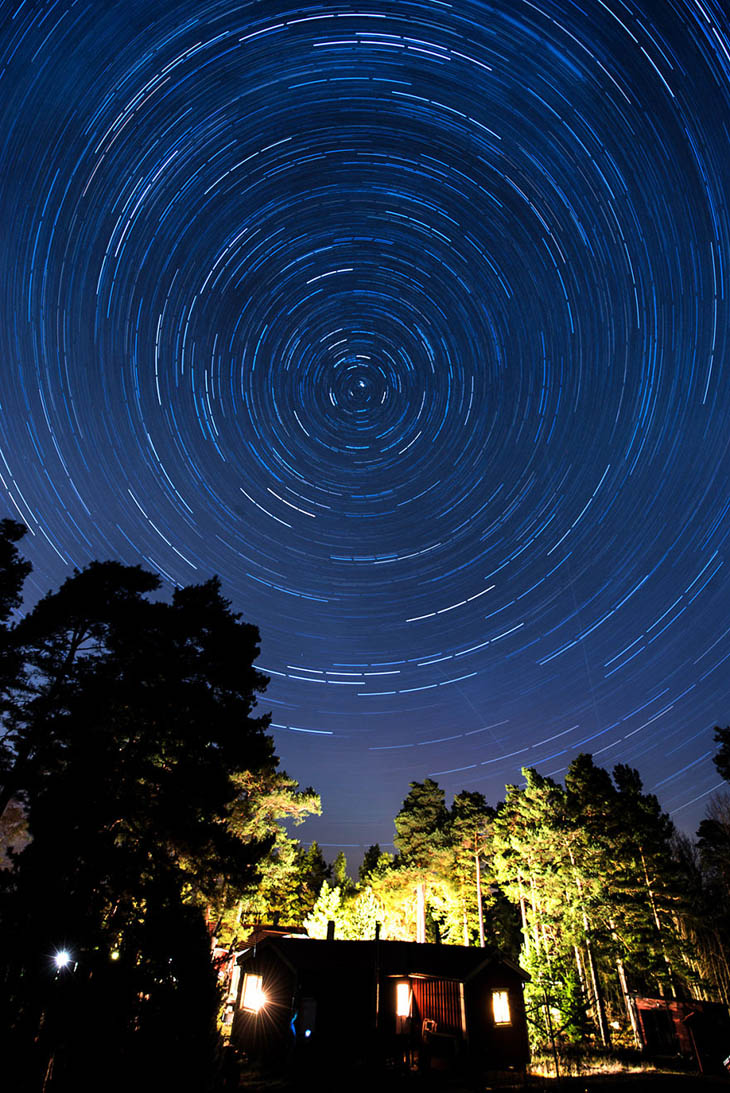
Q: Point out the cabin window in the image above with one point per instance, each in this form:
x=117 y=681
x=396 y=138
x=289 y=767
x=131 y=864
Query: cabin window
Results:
x=500 y=1008
x=253 y=995
x=402 y=1000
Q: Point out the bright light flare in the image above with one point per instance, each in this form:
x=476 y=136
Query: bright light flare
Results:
x=62 y=959
x=254 y=998
x=403 y=1000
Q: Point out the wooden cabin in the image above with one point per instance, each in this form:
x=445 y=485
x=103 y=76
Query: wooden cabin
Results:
x=390 y=1002
x=698 y=1031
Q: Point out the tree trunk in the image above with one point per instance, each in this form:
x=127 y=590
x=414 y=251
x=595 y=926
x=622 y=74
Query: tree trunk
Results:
x=464 y=918
x=628 y=1001
x=600 y=1010
x=535 y=918
x=523 y=913
x=421 y=913
x=479 y=901
x=655 y=912
x=581 y=972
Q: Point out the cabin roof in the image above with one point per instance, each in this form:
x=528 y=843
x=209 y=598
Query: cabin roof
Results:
x=394 y=958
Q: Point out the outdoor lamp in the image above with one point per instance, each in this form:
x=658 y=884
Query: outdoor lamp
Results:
x=253 y=996
x=62 y=959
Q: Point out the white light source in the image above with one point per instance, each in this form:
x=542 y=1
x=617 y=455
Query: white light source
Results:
x=402 y=1000
x=62 y=958
x=500 y=1008
x=253 y=995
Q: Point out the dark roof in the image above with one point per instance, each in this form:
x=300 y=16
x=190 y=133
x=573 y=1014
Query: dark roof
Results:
x=260 y=930
x=393 y=957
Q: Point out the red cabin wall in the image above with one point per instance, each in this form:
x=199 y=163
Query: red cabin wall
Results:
x=439 y=1001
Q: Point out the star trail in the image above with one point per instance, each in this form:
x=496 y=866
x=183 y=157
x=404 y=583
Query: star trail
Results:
x=410 y=321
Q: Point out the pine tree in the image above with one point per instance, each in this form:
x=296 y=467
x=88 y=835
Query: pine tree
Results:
x=469 y=840
x=136 y=714
x=533 y=868
x=265 y=799
x=370 y=862
x=340 y=876
x=13 y=572
x=421 y=842
x=722 y=758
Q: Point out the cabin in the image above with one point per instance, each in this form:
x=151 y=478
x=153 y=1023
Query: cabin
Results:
x=395 y=1003
x=696 y=1030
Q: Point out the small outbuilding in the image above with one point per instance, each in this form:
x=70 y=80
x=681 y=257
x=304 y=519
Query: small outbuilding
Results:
x=698 y=1031
x=390 y=1002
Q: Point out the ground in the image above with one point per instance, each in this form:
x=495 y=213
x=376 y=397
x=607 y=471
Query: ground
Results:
x=655 y=1082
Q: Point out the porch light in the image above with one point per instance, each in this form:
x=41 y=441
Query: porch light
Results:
x=253 y=995
x=500 y=1008
x=62 y=959
x=403 y=1000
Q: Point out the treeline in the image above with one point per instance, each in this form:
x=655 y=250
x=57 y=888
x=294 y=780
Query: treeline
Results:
x=588 y=884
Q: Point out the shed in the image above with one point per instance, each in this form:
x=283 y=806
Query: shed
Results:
x=698 y=1031
x=421 y=1005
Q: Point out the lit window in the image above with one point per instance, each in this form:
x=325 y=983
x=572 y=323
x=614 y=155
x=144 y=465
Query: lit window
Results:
x=500 y=1008
x=253 y=996
x=402 y=1000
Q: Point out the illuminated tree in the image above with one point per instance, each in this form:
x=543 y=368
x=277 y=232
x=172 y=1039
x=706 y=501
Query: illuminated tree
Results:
x=592 y=869
x=469 y=839
x=420 y=825
x=327 y=908
x=265 y=798
x=363 y=914
x=421 y=842
x=340 y=876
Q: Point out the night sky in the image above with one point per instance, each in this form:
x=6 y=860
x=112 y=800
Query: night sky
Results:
x=410 y=321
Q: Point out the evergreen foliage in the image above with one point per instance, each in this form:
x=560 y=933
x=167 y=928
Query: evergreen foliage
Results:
x=283 y=891
x=125 y=724
x=420 y=824
x=722 y=758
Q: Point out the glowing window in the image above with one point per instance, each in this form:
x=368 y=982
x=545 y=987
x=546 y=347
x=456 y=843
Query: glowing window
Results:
x=253 y=995
x=402 y=1000
x=500 y=1008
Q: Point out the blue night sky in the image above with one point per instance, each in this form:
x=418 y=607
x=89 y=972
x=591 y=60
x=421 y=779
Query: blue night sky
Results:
x=410 y=321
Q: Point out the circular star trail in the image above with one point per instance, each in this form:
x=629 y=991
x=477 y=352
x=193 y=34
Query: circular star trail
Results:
x=409 y=321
